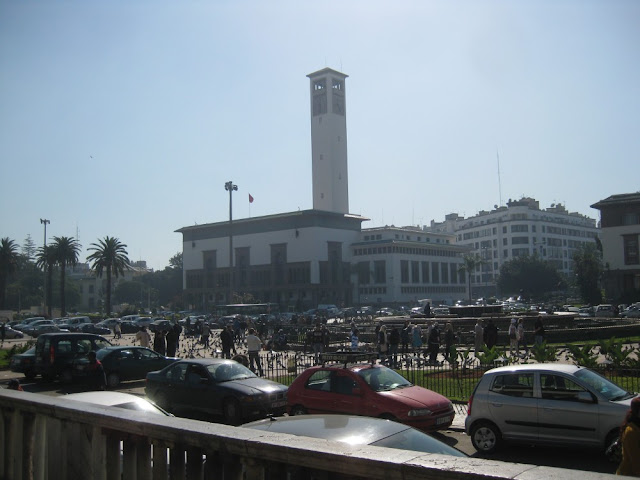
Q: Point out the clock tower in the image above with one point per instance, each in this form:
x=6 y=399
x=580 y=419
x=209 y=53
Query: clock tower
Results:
x=329 y=141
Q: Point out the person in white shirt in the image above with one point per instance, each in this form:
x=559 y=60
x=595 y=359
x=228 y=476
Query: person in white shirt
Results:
x=144 y=337
x=254 y=345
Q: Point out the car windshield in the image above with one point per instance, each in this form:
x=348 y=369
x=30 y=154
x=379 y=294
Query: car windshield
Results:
x=415 y=440
x=608 y=389
x=224 y=372
x=382 y=379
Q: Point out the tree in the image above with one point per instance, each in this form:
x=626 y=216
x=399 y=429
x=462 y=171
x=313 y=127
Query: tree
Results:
x=587 y=266
x=469 y=264
x=531 y=275
x=111 y=256
x=29 y=248
x=46 y=260
x=8 y=265
x=66 y=251
x=176 y=261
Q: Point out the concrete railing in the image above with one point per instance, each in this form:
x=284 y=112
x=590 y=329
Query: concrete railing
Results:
x=47 y=438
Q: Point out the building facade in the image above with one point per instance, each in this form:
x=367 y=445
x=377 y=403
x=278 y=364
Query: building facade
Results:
x=519 y=228
x=620 y=234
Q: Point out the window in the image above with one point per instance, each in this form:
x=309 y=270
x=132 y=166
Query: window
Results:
x=319 y=381
x=514 y=384
x=556 y=387
x=630 y=249
x=435 y=272
x=404 y=271
x=519 y=228
x=630 y=219
x=380 y=271
x=519 y=240
x=425 y=272
x=415 y=272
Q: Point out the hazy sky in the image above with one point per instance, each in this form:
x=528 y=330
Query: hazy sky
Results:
x=126 y=118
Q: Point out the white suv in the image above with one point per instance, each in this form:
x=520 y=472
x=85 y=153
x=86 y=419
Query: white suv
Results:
x=546 y=403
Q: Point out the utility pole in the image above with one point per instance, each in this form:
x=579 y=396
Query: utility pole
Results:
x=45 y=222
x=230 y=187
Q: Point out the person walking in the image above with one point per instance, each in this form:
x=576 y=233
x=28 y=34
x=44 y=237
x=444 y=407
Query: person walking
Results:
x=539 y=332
x=383 y=345
x=394 y=341
x=159 y=342
x=254 y=345
x=630 y=438
x=449 y=339
x=354 y=340
x=226 y=338
x=522 y=341
x=317 y=342
x=171 y=342
x=491 y=334
x=434 y=343
x=479 y=337
x=144 y=337
x=513 y=337
x=416 y=338
x=117 y=330
x=405 y=335
x=3 y=332
x=206 y=330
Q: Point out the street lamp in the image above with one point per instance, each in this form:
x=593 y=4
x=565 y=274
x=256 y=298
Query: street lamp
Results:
x=230 y=187
x=45 y=222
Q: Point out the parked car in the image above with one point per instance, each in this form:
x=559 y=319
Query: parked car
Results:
x=371 y=390
x=41 y=326
x=633 y=311
x=92 y=328
x=128 y=326
x=109 y=323
x=10 y=333
x=56 y=352
x=143 y=321
x=73 y=323
x=26 y=322
x=604 y=310
x=550 y=404
x=118 y=400
x=203 y=387
x=24 y=363
x=160 y=325
x=124 y=363
x=356 y=430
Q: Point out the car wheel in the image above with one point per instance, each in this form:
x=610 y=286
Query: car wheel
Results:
x=66 y=376
x=485 y=437
x=232 y=411
x=30 y=374
x=113 y=380
x=298 y=410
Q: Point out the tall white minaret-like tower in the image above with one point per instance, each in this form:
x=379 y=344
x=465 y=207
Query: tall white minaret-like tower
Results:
x=329 y=141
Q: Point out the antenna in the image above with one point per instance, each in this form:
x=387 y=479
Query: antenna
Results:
x=499 y=182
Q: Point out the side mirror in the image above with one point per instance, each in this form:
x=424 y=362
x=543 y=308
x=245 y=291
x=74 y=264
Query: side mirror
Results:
x=586 y=397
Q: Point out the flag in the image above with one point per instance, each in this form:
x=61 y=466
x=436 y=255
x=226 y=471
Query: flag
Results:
x=250 y=199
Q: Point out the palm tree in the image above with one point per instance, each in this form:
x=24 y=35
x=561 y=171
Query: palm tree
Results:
x=66 y=254
x=110 y=255
x=469 y=264
x=46 y=259
x=8 y=265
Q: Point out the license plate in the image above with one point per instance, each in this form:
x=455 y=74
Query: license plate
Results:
x=281 y=403
x=442 y=420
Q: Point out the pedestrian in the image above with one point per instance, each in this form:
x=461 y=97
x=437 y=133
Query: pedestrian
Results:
x=171 y=342
x=178 y=331
x=144 y=337
x=449 y=339
x=522 y=341
x=96 y=378
x=354 y=340
x=159 y=342
x=2 y=330
x=416 y=338
x=394 y=341
x=513 y=337
x=117 y=330
x=427 y=309
x=226 y=338
x=478 y=337
x=491 y=334
x=317 y=342
x=538 y=333
x=405 y=335
x=383 y=345
x=434 y=343
x=204 y=338
x=254 y=345
x=630 y=438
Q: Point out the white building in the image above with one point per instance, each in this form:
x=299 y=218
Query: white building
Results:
x=620 y=234
x=519 y=228
x=319 y=256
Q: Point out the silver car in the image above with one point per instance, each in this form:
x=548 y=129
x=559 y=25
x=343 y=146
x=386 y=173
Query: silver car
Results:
x=547 y=403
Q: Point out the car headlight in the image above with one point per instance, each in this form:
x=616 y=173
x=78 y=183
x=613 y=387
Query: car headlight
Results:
x=420 y=412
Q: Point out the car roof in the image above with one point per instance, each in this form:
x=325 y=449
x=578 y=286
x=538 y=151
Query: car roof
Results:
x=202 y=361
x=536 y=367
x=351 y=429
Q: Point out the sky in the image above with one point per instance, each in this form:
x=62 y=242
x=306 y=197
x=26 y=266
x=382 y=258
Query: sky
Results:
x=126 y=118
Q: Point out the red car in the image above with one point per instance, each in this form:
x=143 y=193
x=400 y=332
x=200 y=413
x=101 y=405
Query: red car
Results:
x=371 y=390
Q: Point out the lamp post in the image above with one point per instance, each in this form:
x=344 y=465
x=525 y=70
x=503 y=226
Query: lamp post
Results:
x=45 y=222
x=230 y=187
